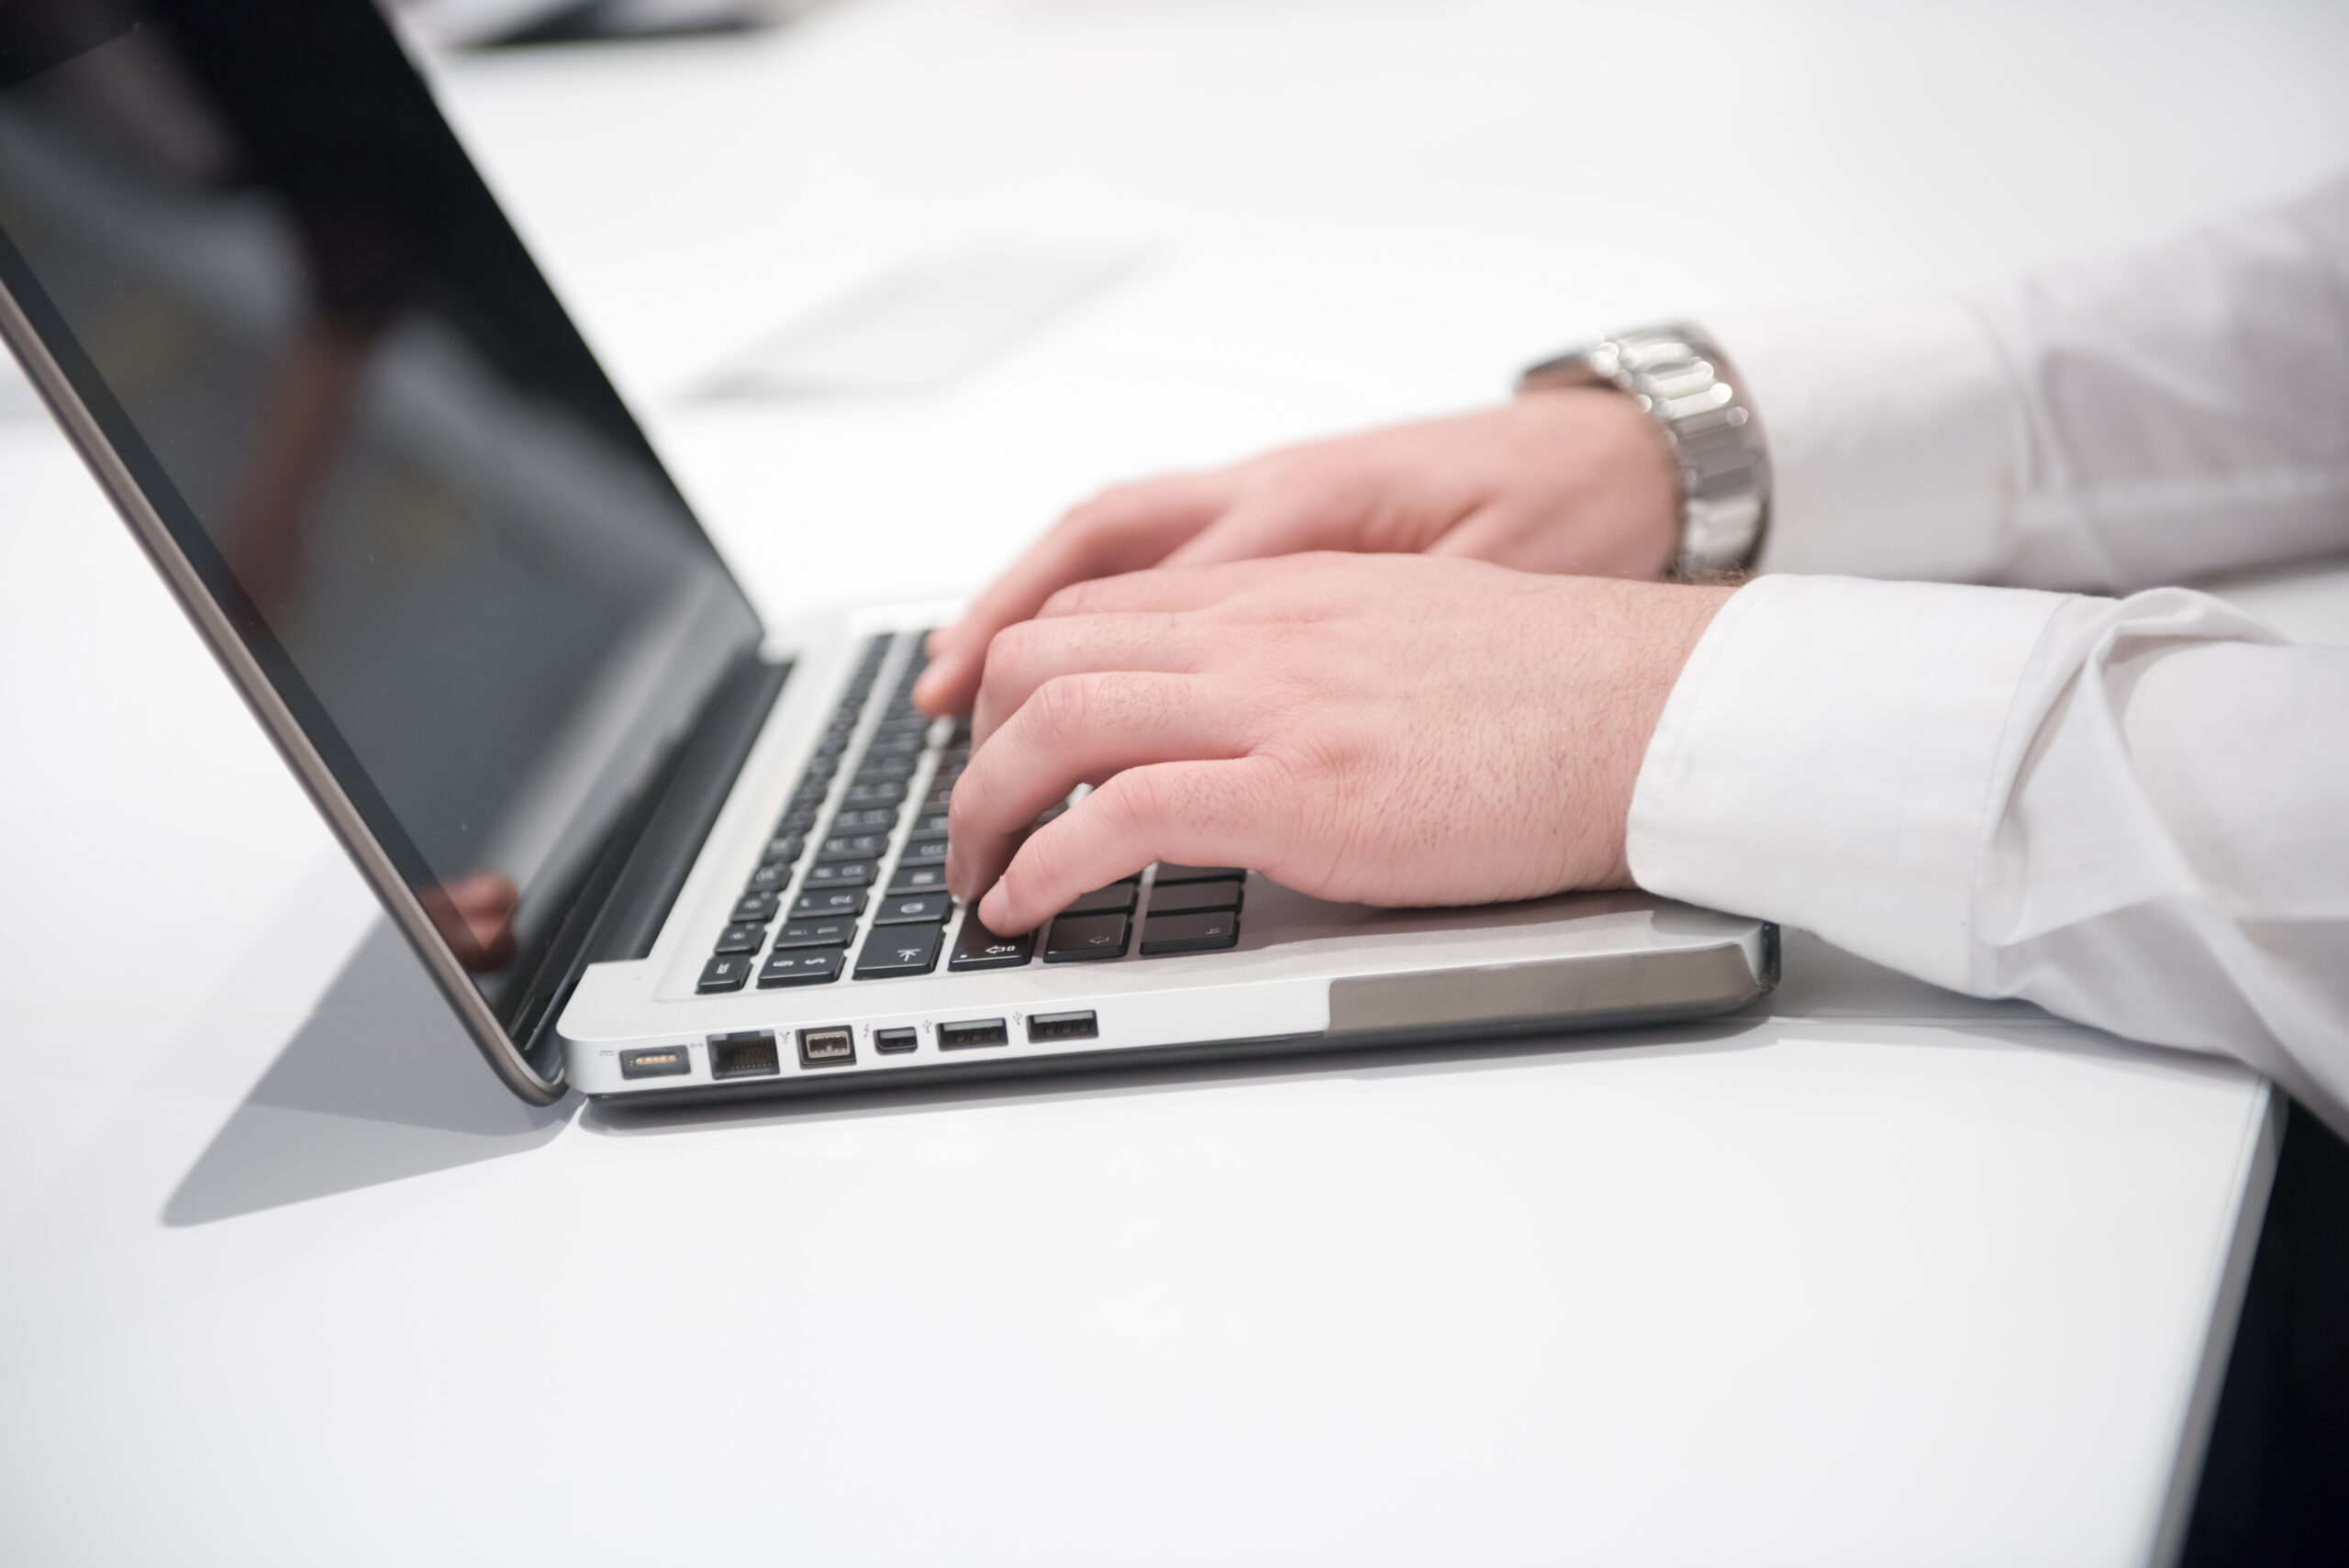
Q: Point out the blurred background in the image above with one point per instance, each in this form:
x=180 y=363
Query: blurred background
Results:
x=969 y=259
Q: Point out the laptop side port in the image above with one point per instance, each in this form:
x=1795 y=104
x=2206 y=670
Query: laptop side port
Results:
x=895 y=1042
x=751 y=1054
x=656 y=1061
x=971 y=1033
x=826 y=1047
x=1044 y=1026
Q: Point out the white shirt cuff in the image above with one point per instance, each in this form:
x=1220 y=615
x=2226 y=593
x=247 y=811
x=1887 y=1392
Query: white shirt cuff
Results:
x=1892 y=429
x=1829 y=758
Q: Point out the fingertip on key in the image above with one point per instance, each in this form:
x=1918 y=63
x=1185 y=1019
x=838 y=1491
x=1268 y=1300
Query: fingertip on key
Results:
x=935 y=681
x=995 y=912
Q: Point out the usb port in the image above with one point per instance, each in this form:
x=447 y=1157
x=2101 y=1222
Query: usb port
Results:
x=1042 y=1027
x=894 y=1042
x=974 y=1031
x=751 y=1054
x=659 y=1062
x=827 y=1048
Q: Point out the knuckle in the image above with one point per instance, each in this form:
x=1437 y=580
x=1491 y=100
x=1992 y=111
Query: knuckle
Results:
x=1062 y=707
x=1136 y=800
x=1068 y=600
x=1009 y=651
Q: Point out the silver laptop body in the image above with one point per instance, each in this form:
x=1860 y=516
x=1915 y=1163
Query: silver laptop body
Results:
x=646 y=847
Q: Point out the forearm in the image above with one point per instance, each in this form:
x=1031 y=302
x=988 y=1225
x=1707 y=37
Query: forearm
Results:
x=2157 y=417
x=2127 y=812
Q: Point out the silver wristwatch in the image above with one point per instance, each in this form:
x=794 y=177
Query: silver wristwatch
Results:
x=1681 y=377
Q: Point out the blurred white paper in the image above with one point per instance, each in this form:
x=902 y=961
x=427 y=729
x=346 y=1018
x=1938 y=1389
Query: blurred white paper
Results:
x=918 y=329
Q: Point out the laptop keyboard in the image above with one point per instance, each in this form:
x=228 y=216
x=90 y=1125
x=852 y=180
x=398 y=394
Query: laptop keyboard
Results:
x=856 y=865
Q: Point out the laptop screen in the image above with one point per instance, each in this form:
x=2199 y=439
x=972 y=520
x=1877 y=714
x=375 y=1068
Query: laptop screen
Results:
x=246 y=236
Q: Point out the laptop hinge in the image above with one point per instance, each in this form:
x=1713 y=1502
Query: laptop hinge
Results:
x=627 y=895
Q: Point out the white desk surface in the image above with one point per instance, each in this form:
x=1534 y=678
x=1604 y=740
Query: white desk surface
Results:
x=1882 y=1277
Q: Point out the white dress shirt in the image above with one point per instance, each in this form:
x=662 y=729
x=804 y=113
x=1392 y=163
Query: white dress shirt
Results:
x=2131 y=811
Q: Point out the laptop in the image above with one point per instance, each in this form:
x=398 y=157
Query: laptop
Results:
x=648 y=847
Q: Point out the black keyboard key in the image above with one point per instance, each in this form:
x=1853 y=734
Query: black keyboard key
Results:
x=784 y=846
x=837 y=932
x=802 y=966
x=843 y=874
x=918 y=879
x=1193 y=897
x=918 y=910
x=895 y=741
x=875 y=819
x=853 y=847
x=726 y=972
x=1075 y=939
x=886 y=770
x=753 y=909
x=976 y=947
x=937 y=801
x=1165 y=934
x=867 y=794
x=742 y=939
x=772 y=877
x=1169 y=875
x=894 y=950
x=930 y=825
x=821 y=769
x=846 y=902
x=923 y=852
x=796 y=821
x=1117 y=898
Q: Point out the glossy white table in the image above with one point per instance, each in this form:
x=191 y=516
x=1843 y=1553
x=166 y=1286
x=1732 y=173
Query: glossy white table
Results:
x=1881 y=1277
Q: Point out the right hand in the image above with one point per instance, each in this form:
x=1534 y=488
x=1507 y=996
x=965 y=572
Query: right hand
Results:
x=1574 y=481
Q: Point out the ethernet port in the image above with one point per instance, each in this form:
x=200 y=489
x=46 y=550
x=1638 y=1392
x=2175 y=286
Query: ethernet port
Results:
x=750 y=1055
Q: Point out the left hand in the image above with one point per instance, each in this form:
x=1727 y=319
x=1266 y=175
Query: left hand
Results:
x=1377 y=728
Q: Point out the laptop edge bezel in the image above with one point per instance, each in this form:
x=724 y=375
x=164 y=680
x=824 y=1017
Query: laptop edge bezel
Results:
x=82 y=429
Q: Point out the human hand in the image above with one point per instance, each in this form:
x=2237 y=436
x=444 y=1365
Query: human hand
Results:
x=1383 y=729
x=475 y=916
x=1574 y=480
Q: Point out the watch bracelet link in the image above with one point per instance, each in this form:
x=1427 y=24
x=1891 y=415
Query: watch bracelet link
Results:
x=1684 y=380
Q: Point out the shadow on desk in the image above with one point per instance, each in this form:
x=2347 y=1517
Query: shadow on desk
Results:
x=379 y=1084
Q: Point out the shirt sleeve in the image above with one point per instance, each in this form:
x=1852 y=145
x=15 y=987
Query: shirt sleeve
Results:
x=2134 y=813
x=2153 y=416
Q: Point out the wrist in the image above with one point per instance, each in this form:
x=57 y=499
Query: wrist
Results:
x=1680 y=379
x=1615 y=501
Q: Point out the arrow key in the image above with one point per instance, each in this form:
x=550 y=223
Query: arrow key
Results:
x=894 y=952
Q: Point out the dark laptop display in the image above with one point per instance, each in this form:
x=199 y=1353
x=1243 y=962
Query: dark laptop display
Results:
x=270 y=273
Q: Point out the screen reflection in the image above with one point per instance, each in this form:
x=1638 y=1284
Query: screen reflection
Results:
x=310 y=333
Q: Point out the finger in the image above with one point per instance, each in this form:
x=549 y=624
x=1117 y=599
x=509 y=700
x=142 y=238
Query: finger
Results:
x=1025 y=656
x=1196 y=813
x=1076 y=729
x=1123 y=530
x=1164 y=589
x=1275 y=520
